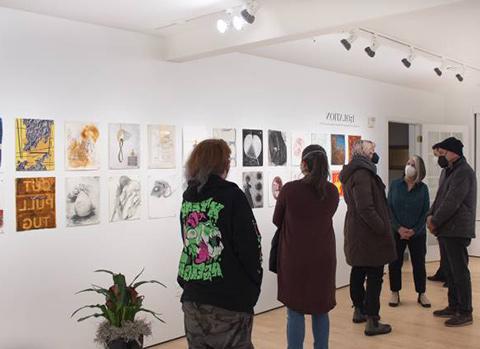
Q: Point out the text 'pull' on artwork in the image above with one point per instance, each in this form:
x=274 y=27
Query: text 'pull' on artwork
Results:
x=351 y=142
x=276 y=181
x=277 y=148
x=124 y=146
x=252 y=148
x=163 y=196
x=338 y=149
x=1 y=142
x=229 y=135
x=81 y=146
x=125 y=198
x=162 y=142
x=2 y=205
x=300 y=141
x=253 y=188
x=35 y=145
x=83 y=201
x=35 y=199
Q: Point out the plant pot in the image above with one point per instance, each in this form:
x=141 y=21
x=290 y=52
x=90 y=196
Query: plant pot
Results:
x=122 y=344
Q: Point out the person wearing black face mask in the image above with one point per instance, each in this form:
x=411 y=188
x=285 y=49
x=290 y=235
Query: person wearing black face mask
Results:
x=369 y=244
x=452 y=219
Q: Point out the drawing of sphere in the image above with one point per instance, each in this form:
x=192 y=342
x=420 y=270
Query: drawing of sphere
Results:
x=83 y=205
x=259 y=176
x=277 y=185
x=259 y=198
x=252 y=145
x=298 y=146
x=258 y=186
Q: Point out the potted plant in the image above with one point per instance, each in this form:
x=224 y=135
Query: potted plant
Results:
x=120 y=329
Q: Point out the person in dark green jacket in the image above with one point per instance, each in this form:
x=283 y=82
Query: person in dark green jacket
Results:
x=409 y=202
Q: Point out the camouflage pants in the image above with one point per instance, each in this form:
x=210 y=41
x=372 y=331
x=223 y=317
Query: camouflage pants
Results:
x=209 y=327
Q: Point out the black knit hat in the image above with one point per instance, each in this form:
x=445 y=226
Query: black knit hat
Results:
x=451 y=144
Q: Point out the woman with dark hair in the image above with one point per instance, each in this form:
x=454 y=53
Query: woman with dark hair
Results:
x=409 y=203
x=306 y=263
x=220 y=266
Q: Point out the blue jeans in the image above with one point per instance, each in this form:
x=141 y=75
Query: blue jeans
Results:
x=296 y=330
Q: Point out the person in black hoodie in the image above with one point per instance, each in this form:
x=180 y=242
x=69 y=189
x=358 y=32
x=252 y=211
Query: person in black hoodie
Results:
x=220 y=266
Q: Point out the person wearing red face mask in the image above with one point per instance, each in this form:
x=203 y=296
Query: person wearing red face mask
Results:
x=452 y=219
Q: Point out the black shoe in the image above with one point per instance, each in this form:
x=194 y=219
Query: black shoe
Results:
x=446 y=312
x=358 y=316
x=436 y=278
x=375 y=328
x=459 y=320
x=394 y=299
x=423 y=300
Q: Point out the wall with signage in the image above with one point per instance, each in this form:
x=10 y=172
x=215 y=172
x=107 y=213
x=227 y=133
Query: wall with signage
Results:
x=65 y=71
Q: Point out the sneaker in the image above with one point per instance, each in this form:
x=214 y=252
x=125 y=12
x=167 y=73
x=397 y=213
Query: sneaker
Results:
x=459 y=320
x=358 y=316
x=446 y=312
x=423 y=300
x=394 y=299
x=375 y=328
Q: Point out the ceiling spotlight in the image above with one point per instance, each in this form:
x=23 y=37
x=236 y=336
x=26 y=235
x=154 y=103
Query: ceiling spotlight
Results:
x=223 y=25
x=439 y=70
x=460 y=75
x=238 y=22
x=248 y=13
x=347 y=43
x=371 y=50
x=407 y=62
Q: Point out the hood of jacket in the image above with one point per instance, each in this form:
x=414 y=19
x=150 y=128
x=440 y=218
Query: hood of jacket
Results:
x=357 y=162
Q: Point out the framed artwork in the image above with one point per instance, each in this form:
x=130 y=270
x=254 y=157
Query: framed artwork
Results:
x=125 y=198
x=191 y=137
x=163 y=196
x=124 y=146
x=35 y=203
x=35 y=145
x=351 y=142
x=276 y=181
x=336 y=181
x=338 y=149
x=252 y=141
x=162 y=144
x=277 y=148
x=300 y=141
x=229 y=135
x=253 y=188
x=82 y=201
x=81 y=146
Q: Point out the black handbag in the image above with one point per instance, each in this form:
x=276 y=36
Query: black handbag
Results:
x=272 y=260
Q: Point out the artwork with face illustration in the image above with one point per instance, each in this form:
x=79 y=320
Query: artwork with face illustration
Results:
x=277 y=148
x=299 y=142
x=125 y=198
x=35 y=145
x=162 y=144
x=338 y=149
x=253 y=188
x=83 y=201
x=252 y=148
x=163 y=195
x=276 y=179
x=124 y=146
x=81 y=146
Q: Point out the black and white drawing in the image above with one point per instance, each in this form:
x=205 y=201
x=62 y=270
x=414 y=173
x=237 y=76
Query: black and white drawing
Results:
x=277 y=148
x=125 y=198
x=252 y=148
x=253 y=188
x=83 y=201
x=163 y=196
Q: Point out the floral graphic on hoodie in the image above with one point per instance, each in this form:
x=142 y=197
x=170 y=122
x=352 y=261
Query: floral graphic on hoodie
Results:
x=202 y=241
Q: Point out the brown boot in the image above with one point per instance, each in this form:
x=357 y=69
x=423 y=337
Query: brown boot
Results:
x=375 y=328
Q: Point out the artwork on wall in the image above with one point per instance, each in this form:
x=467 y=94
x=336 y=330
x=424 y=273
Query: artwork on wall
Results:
x=351 y=142
x=35 y=199
x=229 y=135
x=1 y=142
x=299 y=142
x=338 y=149
x=2 y=205
x=83 y=201
x=124 y=146
x=321 y=139
x=125 y=198
x=252 y=141
x=191 y=137
x=336 y=181
x=276 y=181
x=35 y=145
x=253 y=188
x=162 y=144
x=81 y=146
x=163 y=195
x=277 y=148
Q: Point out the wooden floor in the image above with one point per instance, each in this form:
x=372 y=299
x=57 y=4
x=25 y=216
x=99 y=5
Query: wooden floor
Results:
x=413 y=326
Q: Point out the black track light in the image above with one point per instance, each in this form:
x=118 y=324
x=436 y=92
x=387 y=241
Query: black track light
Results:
x=371 y=50
x=459 y=77
x=248 y=13
x=347 y=43
x=407 y=62
x=438 y=71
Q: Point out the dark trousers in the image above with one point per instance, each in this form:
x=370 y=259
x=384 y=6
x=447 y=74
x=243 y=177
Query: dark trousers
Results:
x=417 y=246
x=367 y=299
x=455 y=255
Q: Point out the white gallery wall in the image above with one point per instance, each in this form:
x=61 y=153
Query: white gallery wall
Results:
x=67 y=71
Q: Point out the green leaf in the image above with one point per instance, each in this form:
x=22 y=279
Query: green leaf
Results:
x=85 y=307
x=97 y=290
x=88 y=317
x=105 y=271
x=138 y=275
x=148 y=282
x=155 y=315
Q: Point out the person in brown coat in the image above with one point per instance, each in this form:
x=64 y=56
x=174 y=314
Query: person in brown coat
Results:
x=306 y=263
x=369 y=243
